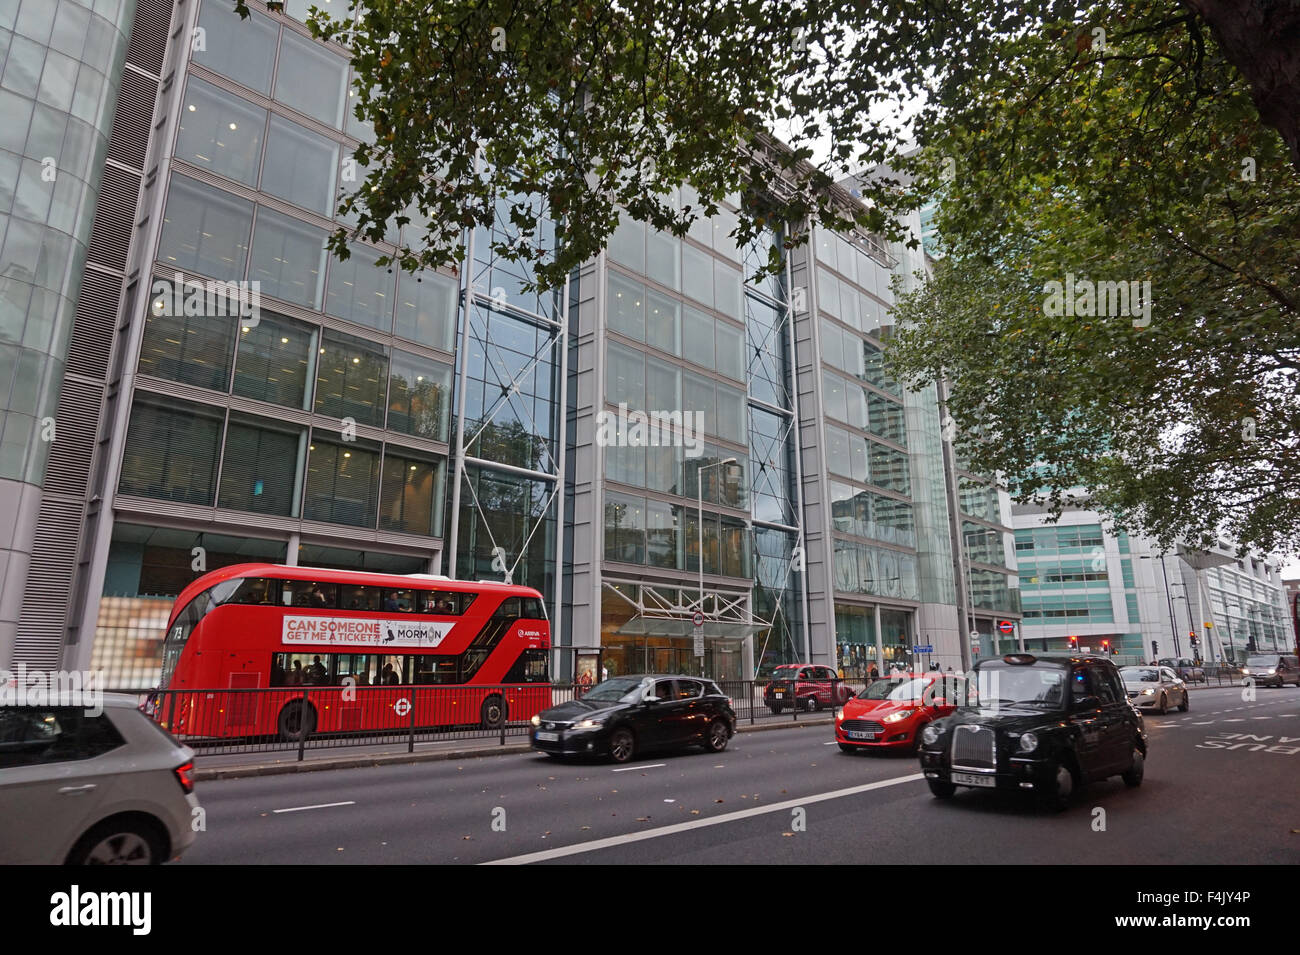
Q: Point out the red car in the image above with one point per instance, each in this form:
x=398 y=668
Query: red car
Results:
x=809 y=686
x=890 y=713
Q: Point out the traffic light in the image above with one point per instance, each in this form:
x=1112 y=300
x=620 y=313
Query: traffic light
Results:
x=1105 y=646
x=1074 y=643
x=1193 y=636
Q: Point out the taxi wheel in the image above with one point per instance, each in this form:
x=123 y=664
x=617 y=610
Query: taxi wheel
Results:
x=621 y=746
x=1187 y=702
x=941 y=789
x=1133 y=777
x=1164 y=704
x=1058 y=798
x=776 y=710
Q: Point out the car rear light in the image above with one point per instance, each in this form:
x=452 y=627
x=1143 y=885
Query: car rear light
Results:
x=185 y=776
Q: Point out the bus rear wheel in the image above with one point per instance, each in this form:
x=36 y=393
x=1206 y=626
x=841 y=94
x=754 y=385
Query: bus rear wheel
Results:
x=297 y=720
x=492 y=715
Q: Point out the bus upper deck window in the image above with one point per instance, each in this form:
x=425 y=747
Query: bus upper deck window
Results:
x=442 y=601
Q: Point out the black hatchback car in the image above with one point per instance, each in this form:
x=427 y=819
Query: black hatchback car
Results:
x=632 y=714
x=1045 y=725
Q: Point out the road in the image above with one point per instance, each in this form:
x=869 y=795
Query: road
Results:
x=1221 y=787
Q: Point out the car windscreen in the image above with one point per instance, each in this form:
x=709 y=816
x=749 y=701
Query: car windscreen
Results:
x=620 y=689
x=895 y=690
x=1136 y=675
x=1040 y=684
x=1261 y=661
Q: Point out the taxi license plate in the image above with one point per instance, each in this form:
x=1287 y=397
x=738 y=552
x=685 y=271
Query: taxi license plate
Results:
x=548 y=737
x=778 y=693
x=971 y=779
x=855 y=734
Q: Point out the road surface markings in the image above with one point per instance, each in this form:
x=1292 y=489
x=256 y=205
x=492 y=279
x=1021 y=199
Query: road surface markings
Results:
x=1206 y=723
x=1261 y=717
x=626 y=769
x=324 y=805
x=611 y=841
x=1235 y=719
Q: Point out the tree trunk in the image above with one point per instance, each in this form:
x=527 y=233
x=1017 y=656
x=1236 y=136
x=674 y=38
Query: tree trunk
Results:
x=1261 y=38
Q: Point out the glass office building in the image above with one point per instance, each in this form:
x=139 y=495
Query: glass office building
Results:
x=790 y=492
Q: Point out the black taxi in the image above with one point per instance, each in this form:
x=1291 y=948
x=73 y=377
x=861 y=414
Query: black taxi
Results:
x=1039 y=724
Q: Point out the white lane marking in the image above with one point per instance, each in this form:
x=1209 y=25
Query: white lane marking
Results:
x=626 y=769
x=324 y=805
x=1261 y=717
x=606 y=843
x=1235 y=719
x=1206 y=723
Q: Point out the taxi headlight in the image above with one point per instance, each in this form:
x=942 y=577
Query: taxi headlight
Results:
x=929 y=735
x=1028 y=742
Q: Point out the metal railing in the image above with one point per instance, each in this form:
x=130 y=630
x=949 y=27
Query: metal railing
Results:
x=296 y=719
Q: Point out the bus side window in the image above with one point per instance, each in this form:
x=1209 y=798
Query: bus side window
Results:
x=359 y=598
x=441 y=601
x=399 y=601
x=533 y=609
x=510 y=607
x=392 y=670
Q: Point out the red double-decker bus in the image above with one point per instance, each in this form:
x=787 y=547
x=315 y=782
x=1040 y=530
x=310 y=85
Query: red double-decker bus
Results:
x=349 y=651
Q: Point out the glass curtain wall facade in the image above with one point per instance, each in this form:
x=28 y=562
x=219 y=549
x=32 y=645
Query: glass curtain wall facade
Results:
x=60 y=72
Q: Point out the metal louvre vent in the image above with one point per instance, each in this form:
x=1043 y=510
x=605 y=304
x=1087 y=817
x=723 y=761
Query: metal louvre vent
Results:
x=76 y=424
x=973 y=748
x=148 y=44
x=92 y=329
x=49 y=581
x=110 y=235
x=129 y=142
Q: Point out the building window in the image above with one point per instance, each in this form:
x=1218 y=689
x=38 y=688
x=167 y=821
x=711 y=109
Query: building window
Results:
x=730 y=352
x=350 y=378
x=220 y=132
x=625 y=376
x=419 y=396
x=662 y=537
x=194 y=349
x=274 y=360
x=342 y=481
x=300 y=166
x=311 y=79
x=697 y=337
x=426 y=309
x=261 y=466
x=624 y=528
x=171 y=450
x=360 y=290
x=243 y=50
x=625 y=311
x=288 y=258
x=411 y=496
x=205 y=230
x=661 y=322
x=662 y=386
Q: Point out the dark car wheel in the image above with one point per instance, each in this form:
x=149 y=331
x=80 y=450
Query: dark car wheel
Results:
x=296 y=721
x=1184 y=706
x=1164 y=704
x=1133 y=776
x=716 y=741
x=124 y=841
x=941 y=789
x=621 y=745
x=1058 y=798
x=776 y=710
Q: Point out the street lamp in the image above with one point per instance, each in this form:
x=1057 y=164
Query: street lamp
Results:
x=1173 y=623
x=699 y=496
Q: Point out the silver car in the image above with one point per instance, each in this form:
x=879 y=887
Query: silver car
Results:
x=81 y=787
x=1155 y=688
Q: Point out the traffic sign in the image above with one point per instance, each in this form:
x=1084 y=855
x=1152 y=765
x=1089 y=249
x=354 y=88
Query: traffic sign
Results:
x=922 y=648
x=698 y=619
x=974 y=636
x=1006 y=626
